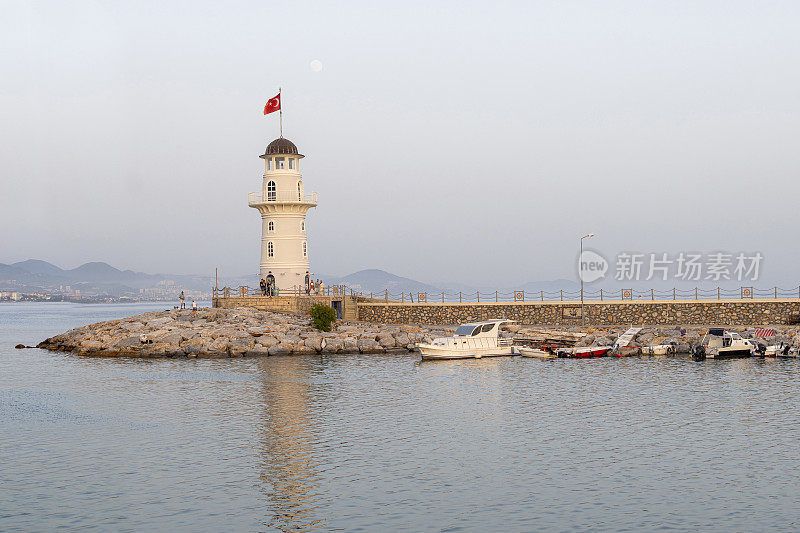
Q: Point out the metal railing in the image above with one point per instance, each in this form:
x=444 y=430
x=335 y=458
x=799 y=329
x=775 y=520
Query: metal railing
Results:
x=522 y=296
x=287 y=197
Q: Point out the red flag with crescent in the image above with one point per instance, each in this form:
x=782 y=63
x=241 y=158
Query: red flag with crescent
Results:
x=273 y=104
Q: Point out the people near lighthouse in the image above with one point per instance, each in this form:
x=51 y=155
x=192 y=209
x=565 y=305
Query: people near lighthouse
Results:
x=263 y=285
x=270 y=283
x=308 y=283
x=194 y=309
x=182 y=298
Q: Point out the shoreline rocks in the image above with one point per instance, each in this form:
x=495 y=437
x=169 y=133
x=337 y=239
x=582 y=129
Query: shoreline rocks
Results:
x=237 y=332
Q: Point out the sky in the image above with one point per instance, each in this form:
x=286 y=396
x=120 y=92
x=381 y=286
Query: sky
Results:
x=467 y=142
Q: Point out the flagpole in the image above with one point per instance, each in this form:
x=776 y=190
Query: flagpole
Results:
x=281 y=110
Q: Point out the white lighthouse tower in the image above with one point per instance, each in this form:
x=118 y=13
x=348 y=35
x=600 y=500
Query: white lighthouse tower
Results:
x=283 y=206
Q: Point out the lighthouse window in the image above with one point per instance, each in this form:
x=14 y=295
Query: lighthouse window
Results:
x=302 y=226
x=270 y=250
x=291 y=163
x=299 y=192
x=269 y=163
x=271 y=191
x=305 y=250
x=271 y=226
x=280 y=163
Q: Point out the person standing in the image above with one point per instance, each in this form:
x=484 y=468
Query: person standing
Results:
x=194 y=309
x=263 y=286
x=182 y=298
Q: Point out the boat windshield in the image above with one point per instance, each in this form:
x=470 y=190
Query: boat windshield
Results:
x=464 y=330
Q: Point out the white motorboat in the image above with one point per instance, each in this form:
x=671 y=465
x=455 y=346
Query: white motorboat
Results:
x=780 y=350
x=721 y=344
x=525 y=351
x=658 y=349
x=470 y=340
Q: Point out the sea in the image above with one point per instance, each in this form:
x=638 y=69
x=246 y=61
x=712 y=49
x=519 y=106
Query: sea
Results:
x=386 y=442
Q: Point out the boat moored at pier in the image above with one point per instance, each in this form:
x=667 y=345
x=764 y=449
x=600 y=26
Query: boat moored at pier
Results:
x=470 y=340
x=721 y=344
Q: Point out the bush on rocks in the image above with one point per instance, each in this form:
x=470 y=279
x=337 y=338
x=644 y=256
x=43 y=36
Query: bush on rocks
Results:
x=322 y=316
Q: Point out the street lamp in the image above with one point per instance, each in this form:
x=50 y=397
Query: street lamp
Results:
x=580 y=272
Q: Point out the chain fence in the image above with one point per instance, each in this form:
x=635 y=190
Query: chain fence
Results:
x=521 y=296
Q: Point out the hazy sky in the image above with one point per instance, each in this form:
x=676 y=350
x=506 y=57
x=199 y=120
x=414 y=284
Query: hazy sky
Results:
x=472 y=142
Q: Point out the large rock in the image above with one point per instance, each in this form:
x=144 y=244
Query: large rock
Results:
x=266 y=341
x=367 y=345
x=238 y=347
x=159 y=322
x=279 y=349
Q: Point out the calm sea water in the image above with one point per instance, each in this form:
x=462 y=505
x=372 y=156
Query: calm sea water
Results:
x=385 y=443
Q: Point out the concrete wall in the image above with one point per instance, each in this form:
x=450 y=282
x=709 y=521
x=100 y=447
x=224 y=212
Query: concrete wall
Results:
x=699 y=312
x=288 y=304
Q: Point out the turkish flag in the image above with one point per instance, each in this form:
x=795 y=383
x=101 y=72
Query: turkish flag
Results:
x=273 y=104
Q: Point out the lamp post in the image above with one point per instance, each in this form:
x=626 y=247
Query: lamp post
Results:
x=580 y=272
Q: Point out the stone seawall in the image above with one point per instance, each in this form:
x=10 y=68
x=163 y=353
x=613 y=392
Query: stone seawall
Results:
x=289 y=304
x=699 y=312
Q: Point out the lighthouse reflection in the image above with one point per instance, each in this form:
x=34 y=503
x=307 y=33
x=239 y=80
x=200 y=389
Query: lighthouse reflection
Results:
x=289 y=473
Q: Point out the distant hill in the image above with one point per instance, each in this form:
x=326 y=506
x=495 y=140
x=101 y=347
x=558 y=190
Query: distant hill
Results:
x=101 y=278
x=374 y=280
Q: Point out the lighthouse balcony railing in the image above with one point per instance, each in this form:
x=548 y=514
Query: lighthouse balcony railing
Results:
x=255 y=198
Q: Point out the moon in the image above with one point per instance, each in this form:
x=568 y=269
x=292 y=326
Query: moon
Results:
x=316 y=65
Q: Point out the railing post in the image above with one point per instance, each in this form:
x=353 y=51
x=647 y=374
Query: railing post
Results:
x=386 y=297
x=621 y=295
x=402 y=297
x=442 y=296
x=776 y=293
x=459 y=295
x=695 y=294
x=543 y=294
x=652 y=295
x=673 y=293
x=495 y=297
x=523 y=295
x=718 y=294
x=601 y=295
x=562 y=295
x=479 y=296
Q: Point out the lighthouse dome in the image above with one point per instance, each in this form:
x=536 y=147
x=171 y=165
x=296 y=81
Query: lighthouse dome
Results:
x=281 y=146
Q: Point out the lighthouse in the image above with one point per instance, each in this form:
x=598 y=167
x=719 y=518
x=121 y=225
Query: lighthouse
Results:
x=283 y=205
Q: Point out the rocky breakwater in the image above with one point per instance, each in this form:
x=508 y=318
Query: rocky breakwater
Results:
x=682 y=338
x=238 y=332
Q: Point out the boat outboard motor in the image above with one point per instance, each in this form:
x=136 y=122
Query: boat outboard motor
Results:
x=698 y=353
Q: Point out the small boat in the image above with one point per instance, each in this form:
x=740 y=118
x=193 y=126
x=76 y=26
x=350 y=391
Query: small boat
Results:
x=780 y=350
x=658 y=349
x=470 y=340
x=525 y=351
x=721 y=344
x=591 y=351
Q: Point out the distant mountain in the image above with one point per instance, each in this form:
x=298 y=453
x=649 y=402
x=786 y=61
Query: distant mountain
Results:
x=37 y=266
x=93 y=278
x=377 y=281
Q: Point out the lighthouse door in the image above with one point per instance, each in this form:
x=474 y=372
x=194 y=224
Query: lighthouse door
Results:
x=337 y=306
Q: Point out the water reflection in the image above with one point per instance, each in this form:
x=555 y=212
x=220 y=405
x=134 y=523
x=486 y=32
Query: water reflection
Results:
x=289 y=472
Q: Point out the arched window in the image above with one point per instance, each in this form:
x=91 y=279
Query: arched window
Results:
x=299 y=192
x=305 y=250
x=302 y=226
x=269 y=163
x=270 y=250
x=271 y=226
x=291 y=163
x=271 y=191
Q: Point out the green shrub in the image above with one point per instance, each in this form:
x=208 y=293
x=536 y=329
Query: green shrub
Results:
x=322 y=316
